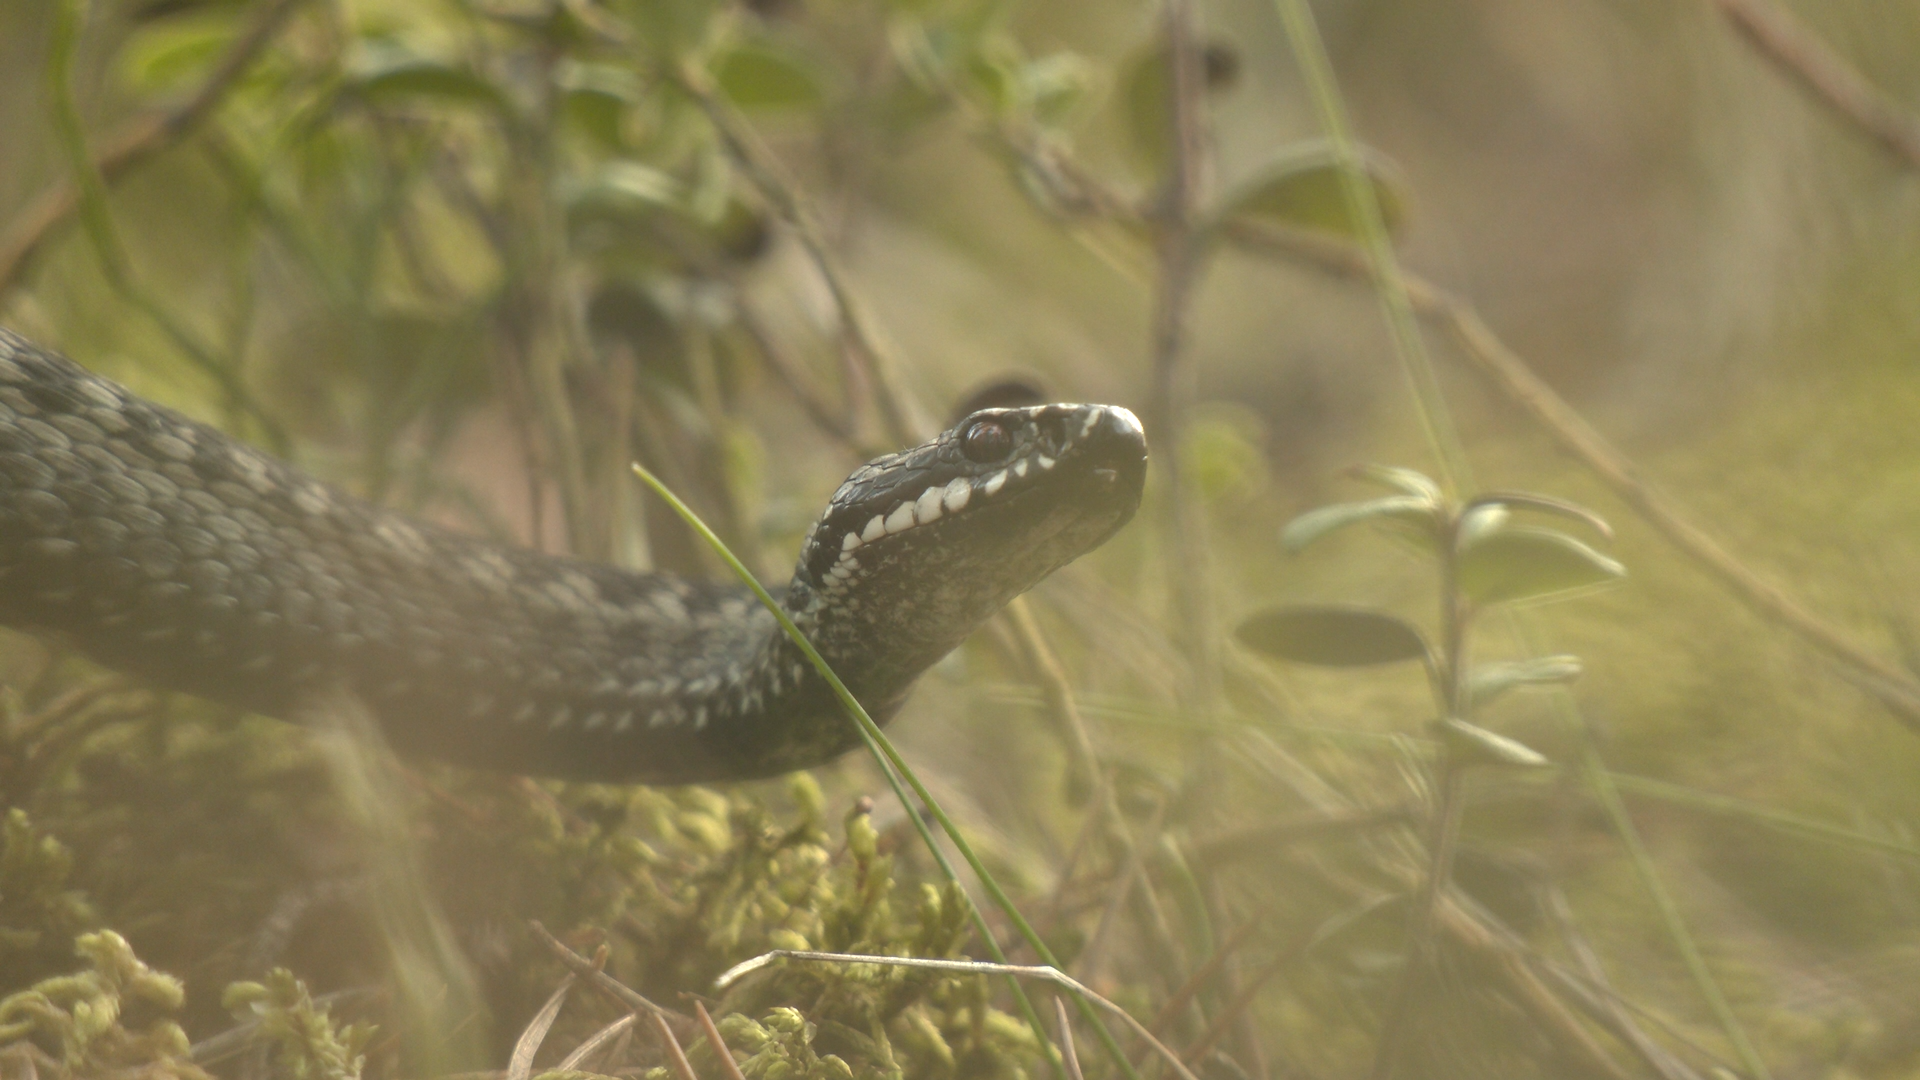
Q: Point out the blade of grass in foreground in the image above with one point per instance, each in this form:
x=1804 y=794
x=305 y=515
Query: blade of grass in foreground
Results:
x=896 y=768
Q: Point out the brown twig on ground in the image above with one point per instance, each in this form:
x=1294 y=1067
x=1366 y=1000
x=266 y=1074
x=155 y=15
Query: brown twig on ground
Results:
x=727 y=1064
x=136 y=142
x=604 y=982
x=1067 y=1050
x=1776 y=34
x=670 y=1046
x=1898 y=689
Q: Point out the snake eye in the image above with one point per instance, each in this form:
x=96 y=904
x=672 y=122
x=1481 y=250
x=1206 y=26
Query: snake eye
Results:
x=986 y=441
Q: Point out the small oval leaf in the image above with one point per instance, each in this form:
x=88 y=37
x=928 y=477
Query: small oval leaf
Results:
x=755 y=76
x=1474 y=745
x=1301 y=188
x=1315 y=524
x=1477 y=521
x=1406 y=481
x=1332 y=636
x=1546 y=504
x=391 y=75
x=1524 y=562
x=1489 y=681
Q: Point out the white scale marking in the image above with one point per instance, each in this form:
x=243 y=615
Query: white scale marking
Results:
x=852 y=541
x=927 y=507
x=1045 y=461
x=900 y=520
x=994 y=483
x=1020 y=468
x=1086 y=427
x=958 y=491
x=875 y=529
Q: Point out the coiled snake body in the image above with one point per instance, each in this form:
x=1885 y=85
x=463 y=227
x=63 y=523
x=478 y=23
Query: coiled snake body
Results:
x=166 y=549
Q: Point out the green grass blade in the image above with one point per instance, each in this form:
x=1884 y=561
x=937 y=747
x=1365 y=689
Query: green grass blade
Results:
x=896 y=768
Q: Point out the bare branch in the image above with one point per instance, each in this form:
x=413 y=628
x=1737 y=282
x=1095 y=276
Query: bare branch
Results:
x=1777 y=35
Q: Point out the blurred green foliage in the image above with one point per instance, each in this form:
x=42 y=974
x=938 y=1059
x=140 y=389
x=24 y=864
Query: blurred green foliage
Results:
x=473 y=258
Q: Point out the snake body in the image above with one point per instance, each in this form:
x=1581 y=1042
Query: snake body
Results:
x=166 y=549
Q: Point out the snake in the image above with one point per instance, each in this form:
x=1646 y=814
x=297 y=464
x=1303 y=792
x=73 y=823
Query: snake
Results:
x=166 y=549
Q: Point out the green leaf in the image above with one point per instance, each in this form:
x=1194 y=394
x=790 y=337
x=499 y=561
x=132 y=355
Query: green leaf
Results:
x=1546 y=504
x=754 y=75
x=1300 y=188
x=596 y=98
x=1525 y=562
x=1402 y=480
x=1332 y=636
x=1474 y=745
x=622 y=188
x=388 y=74
x=1489 y=681
x=175 y=52
x=1478 y=521
x=1314 y=524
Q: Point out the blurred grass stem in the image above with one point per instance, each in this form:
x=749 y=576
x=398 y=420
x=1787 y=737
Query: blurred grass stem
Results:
x=897 y=772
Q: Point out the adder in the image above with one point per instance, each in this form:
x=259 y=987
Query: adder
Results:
x=166 y=549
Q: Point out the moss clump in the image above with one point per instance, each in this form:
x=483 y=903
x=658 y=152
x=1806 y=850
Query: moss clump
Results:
x=85 y=1024
x=307 y=1043
x=39 y=914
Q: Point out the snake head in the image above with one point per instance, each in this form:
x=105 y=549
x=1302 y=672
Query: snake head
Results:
x=917 y=548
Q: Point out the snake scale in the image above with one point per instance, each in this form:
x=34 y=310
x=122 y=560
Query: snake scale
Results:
x=166 y=549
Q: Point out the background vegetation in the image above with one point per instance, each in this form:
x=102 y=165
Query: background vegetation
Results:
x=473 y=257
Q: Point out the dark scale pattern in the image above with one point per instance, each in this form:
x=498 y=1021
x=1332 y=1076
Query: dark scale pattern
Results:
x=167 y=549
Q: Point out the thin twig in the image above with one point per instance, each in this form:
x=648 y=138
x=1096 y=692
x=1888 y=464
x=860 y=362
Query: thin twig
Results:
x=671 y=1046
x=903 y=420
x=136 y=142
x=1067 y=1051
x=602 y=981
x=1776 y=34
x=1179 y=251
x=727 y=1064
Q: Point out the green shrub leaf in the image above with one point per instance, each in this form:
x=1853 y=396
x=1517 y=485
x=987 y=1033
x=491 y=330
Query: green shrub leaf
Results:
x=1412 y=510
x=1525 y=562
x=1405 y=481
x=1332 y=636
x=1488 y=681
x=392 y=76
x=754 y=76
x=1300 y=188
x=1545 y=504
x=1474 y=745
